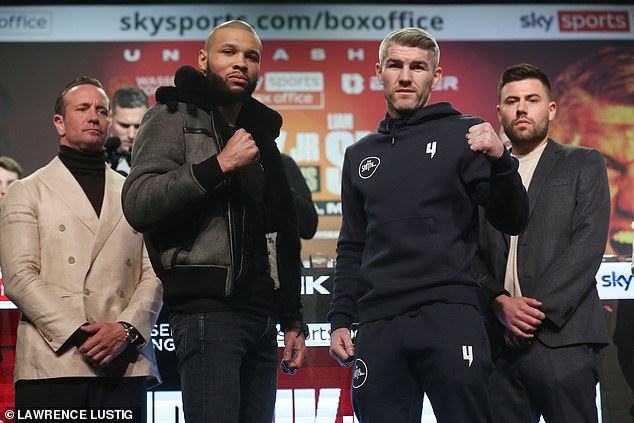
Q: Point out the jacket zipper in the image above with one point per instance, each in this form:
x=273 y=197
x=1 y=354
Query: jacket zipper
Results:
x=230 y=218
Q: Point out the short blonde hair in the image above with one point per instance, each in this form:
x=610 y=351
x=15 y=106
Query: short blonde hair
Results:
x=411 y=37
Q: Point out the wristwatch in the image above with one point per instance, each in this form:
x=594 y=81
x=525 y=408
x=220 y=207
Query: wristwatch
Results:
x=132 y=334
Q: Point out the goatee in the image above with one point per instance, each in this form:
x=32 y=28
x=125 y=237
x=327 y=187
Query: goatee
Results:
x=224 y=94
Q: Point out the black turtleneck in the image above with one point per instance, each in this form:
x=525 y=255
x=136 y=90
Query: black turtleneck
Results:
x=89 y=169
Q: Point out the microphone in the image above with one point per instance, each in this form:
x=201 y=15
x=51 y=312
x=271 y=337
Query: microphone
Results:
x=114 y=155
x=112 y=143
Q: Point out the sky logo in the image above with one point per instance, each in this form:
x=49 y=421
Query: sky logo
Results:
x=614 y=281
x=536 y=21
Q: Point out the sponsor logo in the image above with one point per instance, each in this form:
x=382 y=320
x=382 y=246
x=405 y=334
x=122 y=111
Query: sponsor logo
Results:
x=593 y=21
x=352 y=83
x=293 y=90
x=368 y=166
x=294 y=81
x=533 y=20
x=359 y=374
x=614 y=281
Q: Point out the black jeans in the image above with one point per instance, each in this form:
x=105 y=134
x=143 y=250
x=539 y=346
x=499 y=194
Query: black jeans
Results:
x=228 y=366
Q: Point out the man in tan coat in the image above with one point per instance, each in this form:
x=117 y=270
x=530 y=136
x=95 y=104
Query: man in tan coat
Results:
x=79 y=273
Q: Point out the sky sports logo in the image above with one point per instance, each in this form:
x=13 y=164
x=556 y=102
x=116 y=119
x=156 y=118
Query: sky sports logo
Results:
x=593 y=21
x=24 y=23
x=579 y=21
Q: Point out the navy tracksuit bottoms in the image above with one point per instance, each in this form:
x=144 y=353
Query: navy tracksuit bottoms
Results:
x=439 y=349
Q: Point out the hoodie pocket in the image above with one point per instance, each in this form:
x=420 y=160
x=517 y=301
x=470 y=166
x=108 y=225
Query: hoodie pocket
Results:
x=406 y=248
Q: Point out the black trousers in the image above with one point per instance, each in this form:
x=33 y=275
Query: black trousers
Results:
x=86 y=393
x=441 y=350
x=558 y=383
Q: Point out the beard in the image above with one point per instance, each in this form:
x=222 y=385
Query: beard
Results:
x=224 y=94
x=533 y=136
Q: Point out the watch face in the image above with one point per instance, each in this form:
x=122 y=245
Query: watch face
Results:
x=134 y=335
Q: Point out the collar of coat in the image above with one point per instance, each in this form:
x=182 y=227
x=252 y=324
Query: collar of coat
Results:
x=192 y=87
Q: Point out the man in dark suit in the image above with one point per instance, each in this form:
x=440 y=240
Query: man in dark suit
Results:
x=538 y=288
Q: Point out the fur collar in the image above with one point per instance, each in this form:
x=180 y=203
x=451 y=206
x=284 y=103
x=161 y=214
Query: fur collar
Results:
x=192 y=87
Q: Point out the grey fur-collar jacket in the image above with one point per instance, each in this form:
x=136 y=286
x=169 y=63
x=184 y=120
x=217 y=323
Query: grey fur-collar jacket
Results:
x=190 y=212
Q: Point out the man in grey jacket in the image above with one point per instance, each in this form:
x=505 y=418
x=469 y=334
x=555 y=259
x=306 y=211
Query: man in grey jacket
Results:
x=539 y=288
x=208 y=189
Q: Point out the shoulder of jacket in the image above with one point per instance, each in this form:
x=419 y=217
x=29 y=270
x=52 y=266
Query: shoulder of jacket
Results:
x=190 y=114
x=367 y=139
x=578 y=150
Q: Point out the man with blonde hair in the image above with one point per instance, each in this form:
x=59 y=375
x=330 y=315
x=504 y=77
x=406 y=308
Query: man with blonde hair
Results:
x=410 y=196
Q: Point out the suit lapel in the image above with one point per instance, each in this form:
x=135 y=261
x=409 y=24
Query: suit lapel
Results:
x=111 y=213
x=62 y=183
x=549 y=157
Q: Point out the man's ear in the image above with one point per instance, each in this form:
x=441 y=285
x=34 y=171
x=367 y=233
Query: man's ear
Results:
x=437 y=76
x=379 y=73
x=203 y=61
x=552 y=110
x=58 y=121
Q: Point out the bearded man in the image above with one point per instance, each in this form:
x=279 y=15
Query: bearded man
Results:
x=208 y=189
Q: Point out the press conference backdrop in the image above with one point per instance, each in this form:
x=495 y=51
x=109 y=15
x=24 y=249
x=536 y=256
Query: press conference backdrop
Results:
x=318 y=72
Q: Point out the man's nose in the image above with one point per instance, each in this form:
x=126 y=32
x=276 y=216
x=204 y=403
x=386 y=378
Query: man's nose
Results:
x=405 y=76
x=93 y=115
x=132 y=130
x=241 y=62
x=521 y=107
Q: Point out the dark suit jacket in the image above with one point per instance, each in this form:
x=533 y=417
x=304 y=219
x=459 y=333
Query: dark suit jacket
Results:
x=559 y=251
